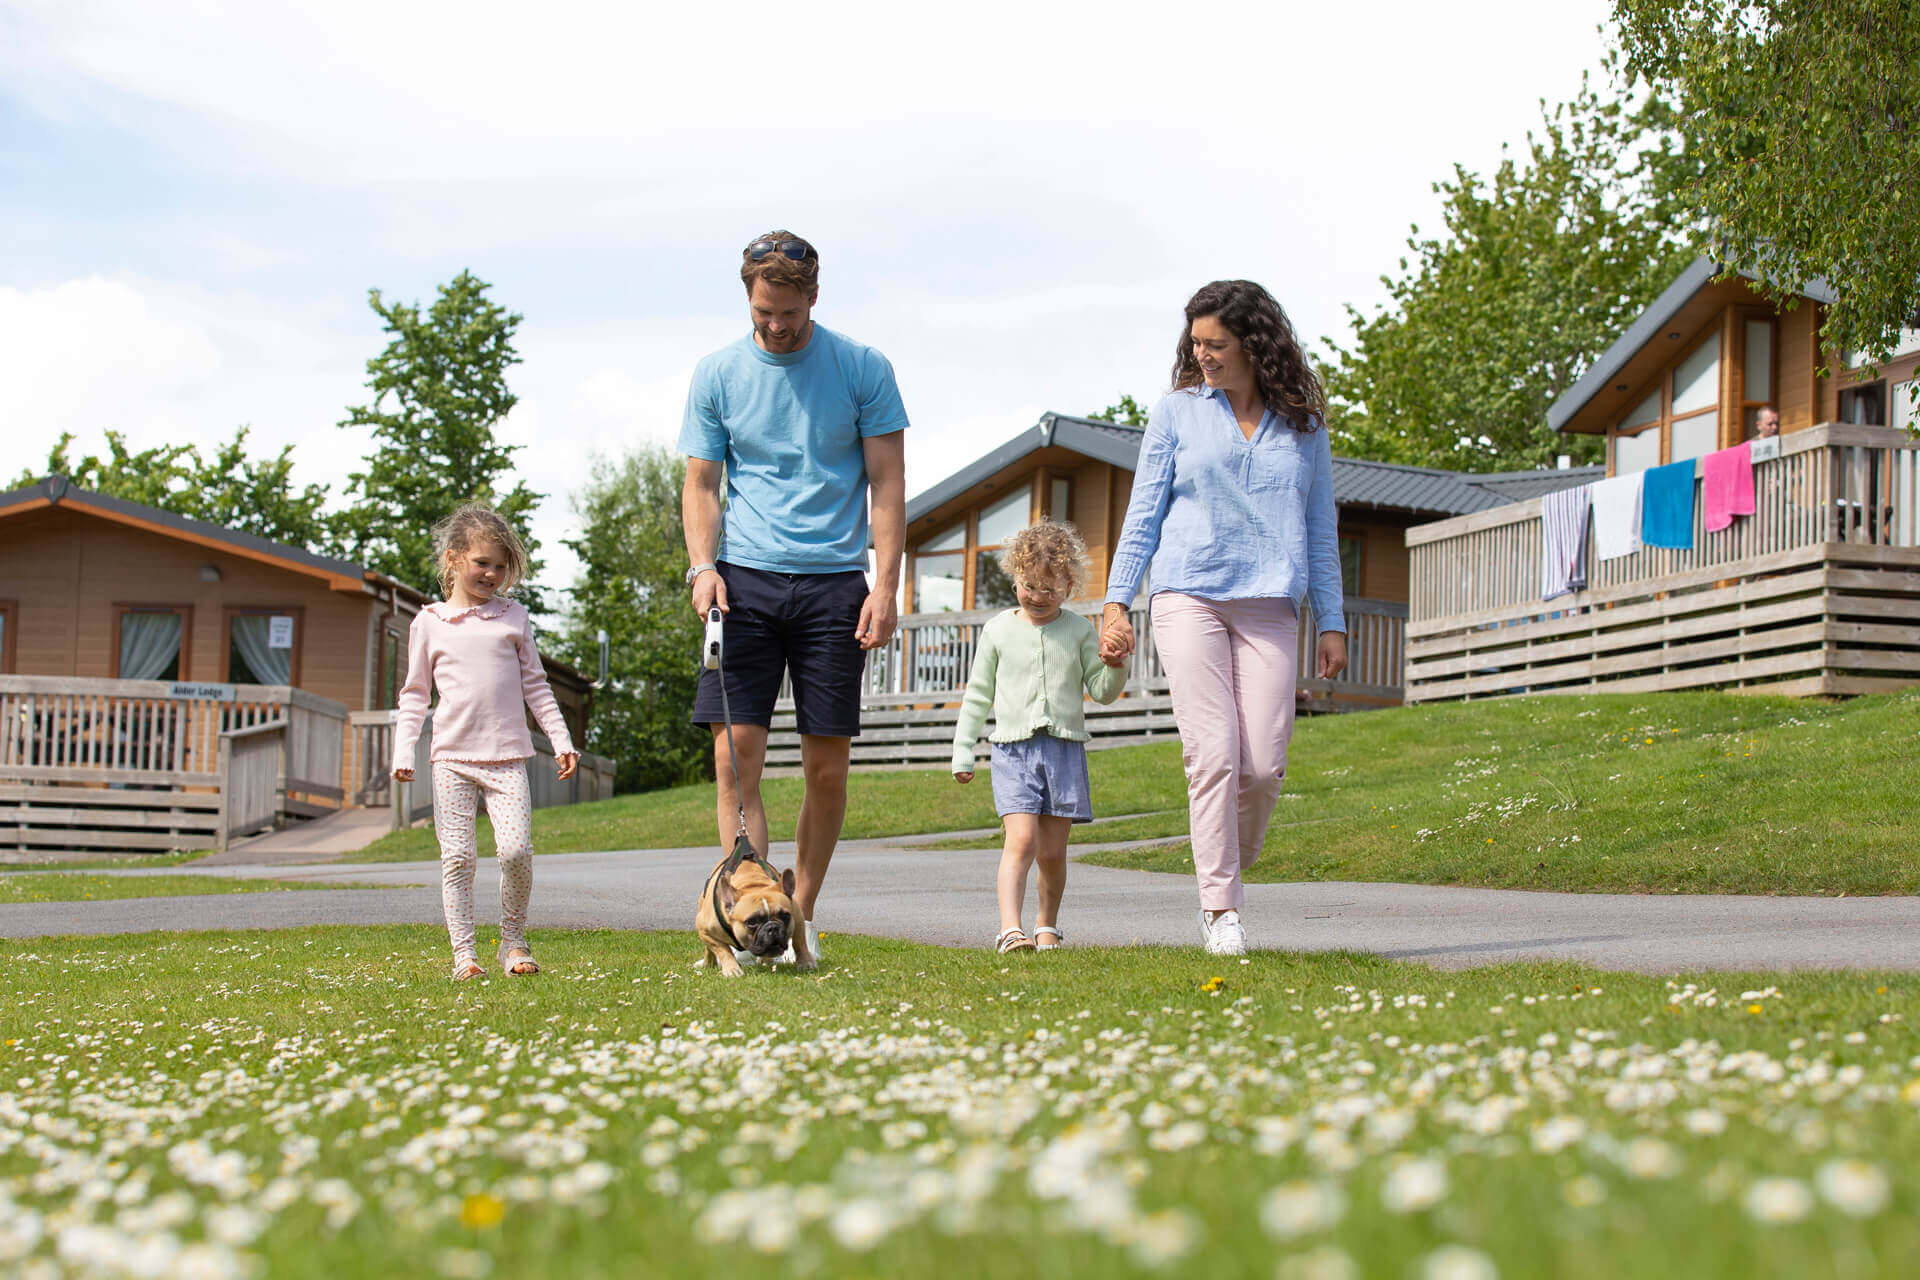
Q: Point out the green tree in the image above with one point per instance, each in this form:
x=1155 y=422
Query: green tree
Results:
x=439 y=392
x=253 y=495
x=1806 y=117
x=631 y=584
x=1542 y=265
x=1128 y=413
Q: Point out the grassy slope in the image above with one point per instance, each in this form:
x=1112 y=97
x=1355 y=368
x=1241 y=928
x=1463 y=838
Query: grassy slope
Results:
x=1685 y=793
x=1677 y=792
x=73 y=886
x=329 y=1103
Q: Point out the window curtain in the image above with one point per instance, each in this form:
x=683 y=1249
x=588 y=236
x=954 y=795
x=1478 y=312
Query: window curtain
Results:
x=268 y=665
x=149 y=644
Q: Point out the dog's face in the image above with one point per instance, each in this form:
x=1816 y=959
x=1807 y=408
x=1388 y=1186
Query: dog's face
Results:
x=760 y=910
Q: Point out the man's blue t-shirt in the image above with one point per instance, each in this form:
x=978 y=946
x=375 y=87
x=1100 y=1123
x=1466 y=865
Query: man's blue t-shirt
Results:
x=789 y=429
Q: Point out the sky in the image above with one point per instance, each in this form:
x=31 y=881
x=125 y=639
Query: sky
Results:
x=1012 y=201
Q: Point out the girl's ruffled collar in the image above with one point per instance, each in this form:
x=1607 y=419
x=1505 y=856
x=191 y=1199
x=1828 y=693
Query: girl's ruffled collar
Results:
x=493 y=608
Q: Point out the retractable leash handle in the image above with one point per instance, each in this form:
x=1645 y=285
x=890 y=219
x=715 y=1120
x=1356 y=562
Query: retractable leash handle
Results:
x=710 y=652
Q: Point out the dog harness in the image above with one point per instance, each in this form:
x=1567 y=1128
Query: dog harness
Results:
x=743 y=850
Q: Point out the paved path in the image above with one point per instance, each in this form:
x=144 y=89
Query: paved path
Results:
x=946 y=897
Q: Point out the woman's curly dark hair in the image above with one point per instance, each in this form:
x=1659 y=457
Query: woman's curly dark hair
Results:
x=1281 y=372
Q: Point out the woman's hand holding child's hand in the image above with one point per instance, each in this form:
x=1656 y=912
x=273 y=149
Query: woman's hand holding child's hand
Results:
x=568 y=763
x=1116 y=636
x=963 y=778
x=403 y=775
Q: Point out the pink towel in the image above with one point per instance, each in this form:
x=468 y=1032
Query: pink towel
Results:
x=1726 y=486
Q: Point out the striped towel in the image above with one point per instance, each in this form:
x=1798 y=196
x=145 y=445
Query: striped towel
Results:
x=1616 y=516
x=1563 y=540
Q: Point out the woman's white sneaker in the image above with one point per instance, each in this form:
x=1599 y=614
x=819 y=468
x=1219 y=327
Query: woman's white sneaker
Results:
x=1223 y=934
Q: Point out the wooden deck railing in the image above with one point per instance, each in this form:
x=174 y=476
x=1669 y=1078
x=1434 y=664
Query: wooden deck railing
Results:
x=371 y=764
x=148 y=764
x=1745 y=604
x=913 y=686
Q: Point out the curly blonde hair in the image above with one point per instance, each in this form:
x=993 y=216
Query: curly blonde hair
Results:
x=470 y=524
x=1046 y=552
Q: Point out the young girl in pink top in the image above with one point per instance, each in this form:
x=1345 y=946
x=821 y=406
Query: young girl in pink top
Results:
x=477 y=650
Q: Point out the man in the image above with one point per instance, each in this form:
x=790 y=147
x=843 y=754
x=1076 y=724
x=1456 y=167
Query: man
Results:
x=799 y=423
x=1766 y=423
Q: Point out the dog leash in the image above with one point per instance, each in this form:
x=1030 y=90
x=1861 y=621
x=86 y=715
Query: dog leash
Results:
x=711 y=659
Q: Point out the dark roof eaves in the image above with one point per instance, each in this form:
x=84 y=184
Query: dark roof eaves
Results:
x=65 y=494
x=973 y=473
x=1638 y=334
x=1651 y=322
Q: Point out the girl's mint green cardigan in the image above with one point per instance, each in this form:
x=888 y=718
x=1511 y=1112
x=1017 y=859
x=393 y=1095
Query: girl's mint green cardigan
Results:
x=1034 y=679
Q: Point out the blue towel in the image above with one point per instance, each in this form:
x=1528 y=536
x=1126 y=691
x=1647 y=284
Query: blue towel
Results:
x=1666 y=506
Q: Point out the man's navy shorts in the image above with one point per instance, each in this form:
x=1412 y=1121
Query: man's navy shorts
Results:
x=798 y=623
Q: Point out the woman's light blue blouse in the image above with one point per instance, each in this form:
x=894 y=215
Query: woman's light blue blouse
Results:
x=1226 y=518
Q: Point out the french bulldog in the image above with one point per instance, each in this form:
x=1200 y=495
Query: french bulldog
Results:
x=746 y=905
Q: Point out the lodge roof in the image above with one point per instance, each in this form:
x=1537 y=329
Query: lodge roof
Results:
x=1649 y=326
x=59 y=491
x=1427 y=491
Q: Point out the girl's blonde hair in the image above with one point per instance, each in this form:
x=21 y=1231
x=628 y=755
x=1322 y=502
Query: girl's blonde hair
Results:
x=1046 y=552
x=470 y=524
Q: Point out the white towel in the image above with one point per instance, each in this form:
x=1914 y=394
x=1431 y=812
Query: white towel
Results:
x=1563 y=541
x=1616 y=516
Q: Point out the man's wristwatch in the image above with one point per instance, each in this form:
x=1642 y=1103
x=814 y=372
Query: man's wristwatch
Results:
x=694 y=571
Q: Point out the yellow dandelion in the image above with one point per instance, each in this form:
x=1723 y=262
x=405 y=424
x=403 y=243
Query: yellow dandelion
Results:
x=481 y=1211
x=1879 y=991
x=1754 y=1008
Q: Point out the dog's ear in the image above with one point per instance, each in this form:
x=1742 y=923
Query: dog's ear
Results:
x=726 y=895
x=786 y=882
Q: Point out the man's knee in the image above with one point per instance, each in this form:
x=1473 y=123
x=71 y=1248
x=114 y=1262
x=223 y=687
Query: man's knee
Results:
x=824 y=762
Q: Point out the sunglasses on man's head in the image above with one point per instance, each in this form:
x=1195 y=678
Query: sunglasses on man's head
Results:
x=798 y=250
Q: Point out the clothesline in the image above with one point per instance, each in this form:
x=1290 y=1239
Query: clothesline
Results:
x=1652 y=508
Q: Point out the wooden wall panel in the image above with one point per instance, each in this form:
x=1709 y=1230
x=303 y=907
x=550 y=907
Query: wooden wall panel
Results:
x=40 y=564
x=1796 y=362
x=1385 y=560
x=71 y=569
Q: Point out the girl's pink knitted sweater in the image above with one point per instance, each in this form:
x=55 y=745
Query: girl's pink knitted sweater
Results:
x=483 y=662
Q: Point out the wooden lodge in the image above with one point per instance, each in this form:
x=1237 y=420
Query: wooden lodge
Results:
x=170 y=684
x=1817 y=592
x=1081 y=471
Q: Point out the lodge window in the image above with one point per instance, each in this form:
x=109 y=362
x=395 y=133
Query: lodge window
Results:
x=959 y=567
x=152 y=641
x=1351 y=550
x=940 y=572
x=1679 y=419
x=995 y=527
x=9 y=629
x=263 y=645
x=1864 y=404
x=1757 y=347
x=393 y=667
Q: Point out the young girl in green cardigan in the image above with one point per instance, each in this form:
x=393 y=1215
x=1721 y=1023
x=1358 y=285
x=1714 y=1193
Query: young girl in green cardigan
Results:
x=1033 y=665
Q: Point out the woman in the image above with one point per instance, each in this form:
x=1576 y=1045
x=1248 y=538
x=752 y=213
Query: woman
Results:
x=1232 y=513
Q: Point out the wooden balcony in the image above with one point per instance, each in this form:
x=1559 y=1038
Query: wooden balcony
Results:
x=148 y=765
x=1817 y=592
x=914 y=684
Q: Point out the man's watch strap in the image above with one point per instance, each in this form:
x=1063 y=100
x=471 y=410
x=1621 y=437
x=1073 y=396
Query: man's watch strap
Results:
x=694 y=571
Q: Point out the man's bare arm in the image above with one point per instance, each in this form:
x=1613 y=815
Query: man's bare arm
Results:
x=886 y=458
x=700 y=523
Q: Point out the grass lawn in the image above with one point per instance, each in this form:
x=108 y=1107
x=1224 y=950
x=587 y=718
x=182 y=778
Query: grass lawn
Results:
x=324 y=1103
x=1677 y=792
x=73 y=886
x=109 y=863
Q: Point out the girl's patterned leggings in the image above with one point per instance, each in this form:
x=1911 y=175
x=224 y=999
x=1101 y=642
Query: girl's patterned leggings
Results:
x=457 y=788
